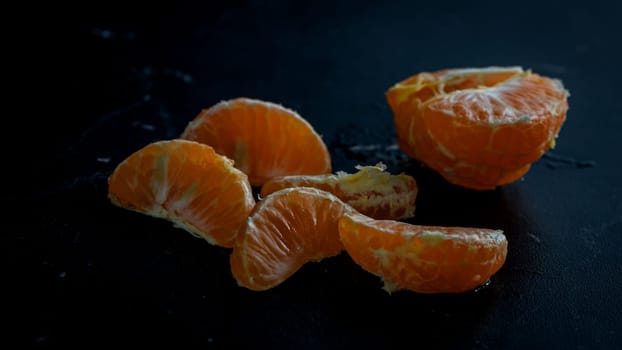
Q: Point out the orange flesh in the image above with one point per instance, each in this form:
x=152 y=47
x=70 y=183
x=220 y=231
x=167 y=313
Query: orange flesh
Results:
x=264 y=139
x=479 y=128
x=186 y=183
x=371 y=190
x=424 y=259
x=286 y=230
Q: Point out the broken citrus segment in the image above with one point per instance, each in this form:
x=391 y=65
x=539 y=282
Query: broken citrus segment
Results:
x=286 y=229
x=264 y=139
x=372 y=190
x=187 y=183
x=424 y=259
x=478 y=127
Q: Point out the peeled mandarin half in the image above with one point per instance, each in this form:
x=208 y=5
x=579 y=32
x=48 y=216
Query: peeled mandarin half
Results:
x=264 y=139
x=423 y=259
x=187 y=183
x=372 y=190
x=478 y=127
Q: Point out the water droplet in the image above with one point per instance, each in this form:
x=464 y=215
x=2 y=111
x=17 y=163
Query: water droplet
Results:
x=482 y=287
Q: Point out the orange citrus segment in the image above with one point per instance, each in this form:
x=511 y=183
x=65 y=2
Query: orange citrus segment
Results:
x=424 y=259
x=478 y=127
x=372 y=191
x=187 y=183
x=264 y=139
x=286 y=230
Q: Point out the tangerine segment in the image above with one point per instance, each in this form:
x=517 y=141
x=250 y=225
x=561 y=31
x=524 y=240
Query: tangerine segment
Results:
x=264 y=139
x=478 y=127
x=424 y=259
x=372 y=191
x=187 y=183
x=286 y=230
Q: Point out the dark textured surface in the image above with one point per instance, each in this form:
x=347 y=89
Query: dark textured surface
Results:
x=111 y=78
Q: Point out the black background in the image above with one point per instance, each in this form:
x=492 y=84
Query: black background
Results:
x=102 y=80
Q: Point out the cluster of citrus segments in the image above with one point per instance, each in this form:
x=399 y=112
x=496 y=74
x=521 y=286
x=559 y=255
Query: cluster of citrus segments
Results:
x=478 y=127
